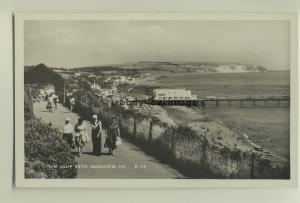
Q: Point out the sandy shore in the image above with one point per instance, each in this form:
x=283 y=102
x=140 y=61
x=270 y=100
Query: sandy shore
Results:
x=214 y=131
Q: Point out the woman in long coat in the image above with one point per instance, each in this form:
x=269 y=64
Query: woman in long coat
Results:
x=96 y=135
x=113 y=136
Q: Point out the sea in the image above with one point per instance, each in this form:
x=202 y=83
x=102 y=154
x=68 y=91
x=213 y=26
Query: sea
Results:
x=267 y=125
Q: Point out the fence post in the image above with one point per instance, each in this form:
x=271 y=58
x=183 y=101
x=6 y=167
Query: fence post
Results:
x=173 y=131
x=150 y=138
x=120 y=120
x=85 y=101
x=134 y=127
x=252 y=157
x=204 y=152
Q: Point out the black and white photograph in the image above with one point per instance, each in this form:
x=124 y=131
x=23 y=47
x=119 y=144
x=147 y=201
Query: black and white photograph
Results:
x=169 y=98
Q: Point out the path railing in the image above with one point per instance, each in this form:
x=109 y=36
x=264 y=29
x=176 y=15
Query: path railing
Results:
x=186 y=149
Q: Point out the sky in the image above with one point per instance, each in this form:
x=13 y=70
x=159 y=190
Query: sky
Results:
x=71 y=44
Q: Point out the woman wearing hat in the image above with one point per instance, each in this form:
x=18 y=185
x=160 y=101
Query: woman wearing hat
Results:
x=113 y=137
x=96 y=135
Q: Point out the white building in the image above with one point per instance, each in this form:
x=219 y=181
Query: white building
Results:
x=173 y=94
x=77 y=74
x=95 y=86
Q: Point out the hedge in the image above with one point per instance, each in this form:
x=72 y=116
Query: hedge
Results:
x=45 y=149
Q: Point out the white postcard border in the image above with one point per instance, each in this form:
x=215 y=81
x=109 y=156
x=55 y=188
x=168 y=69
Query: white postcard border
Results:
x=151 y=183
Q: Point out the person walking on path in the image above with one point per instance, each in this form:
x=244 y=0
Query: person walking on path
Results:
x=72 y=103
x=49 y=106
x=113 y=137
x=55 y=101
x=80 y=135
x=67 y=132
x=96 y=135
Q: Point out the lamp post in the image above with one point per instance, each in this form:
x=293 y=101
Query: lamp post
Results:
x=64 y=94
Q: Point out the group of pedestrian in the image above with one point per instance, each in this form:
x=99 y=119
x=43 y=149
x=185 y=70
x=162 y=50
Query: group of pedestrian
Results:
x=77 y=136
x=51 y=102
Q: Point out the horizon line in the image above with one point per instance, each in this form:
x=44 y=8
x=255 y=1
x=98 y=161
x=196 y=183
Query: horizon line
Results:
x=114 y=64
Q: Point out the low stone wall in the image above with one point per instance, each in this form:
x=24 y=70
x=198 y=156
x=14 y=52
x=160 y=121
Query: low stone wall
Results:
x=191 y=149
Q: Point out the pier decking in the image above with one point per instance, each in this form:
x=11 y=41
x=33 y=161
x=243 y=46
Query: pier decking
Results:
x=217 y=101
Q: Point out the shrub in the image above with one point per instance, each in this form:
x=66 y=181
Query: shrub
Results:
x=28 y=106
x=46 y=152
x=43 y=74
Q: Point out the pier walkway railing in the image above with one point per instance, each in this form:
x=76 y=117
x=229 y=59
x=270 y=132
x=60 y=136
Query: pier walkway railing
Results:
x=217 y=101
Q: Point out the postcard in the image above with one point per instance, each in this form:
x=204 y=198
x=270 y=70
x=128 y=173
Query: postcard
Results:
x=155 y=100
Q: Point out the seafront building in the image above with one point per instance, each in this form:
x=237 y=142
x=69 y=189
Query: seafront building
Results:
x=173 y=94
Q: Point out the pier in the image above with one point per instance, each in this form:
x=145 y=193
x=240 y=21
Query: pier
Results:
x=274 y=101
x=217 y=102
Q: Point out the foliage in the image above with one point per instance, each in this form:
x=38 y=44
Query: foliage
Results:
x=28 y=106
x=84 y=85
x=46 y=152
x=34 y=169
x=43 y=74
x=186 y=133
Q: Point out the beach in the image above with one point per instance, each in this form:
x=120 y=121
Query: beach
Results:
x=268 y=126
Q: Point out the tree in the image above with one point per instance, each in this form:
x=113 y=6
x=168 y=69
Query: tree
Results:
x=43 y=74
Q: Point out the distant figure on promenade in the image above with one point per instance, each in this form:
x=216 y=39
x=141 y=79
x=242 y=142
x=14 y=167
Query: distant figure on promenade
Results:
x=80 y=135
x=72 y=103
x=96 y=135
x=55 y=101
x=113 y=138
x=49 y=106
x=67 y=132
